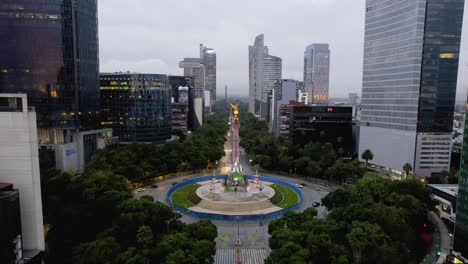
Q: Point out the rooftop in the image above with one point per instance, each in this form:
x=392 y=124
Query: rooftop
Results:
x=450 y=189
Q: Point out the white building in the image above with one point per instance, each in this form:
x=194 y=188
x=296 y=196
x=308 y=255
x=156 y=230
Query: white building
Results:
x=19 y=165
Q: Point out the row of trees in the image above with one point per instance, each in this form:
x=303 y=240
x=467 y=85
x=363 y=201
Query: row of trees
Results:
x=92 y=218
x=140 y=162
x=277 y=153
x=376 y=221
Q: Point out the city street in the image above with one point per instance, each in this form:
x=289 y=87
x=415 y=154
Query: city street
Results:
x=253 y=235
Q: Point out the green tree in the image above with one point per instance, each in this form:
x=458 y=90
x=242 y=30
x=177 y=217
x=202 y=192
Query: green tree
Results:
x=97 y=252
x=367 y=155
x=407 y=168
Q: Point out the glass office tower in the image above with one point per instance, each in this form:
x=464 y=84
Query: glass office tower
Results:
x=411 y=52
x=317 y=73
x=49 y=50
x=136 y=106
x=460 y=238
x=264 y=70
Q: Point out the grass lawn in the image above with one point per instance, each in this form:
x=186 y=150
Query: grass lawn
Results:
x=186 y=196
x=284 y=197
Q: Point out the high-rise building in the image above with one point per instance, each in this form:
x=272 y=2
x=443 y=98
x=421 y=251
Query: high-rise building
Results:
x=353 y=99
x=49 y=51
x=409 y=83
x=271 y=75
x=136 y=106
x=460 y=239
x=320 y=124
x=11 y=249
x=19 y=165
x=208 y=59
x=283 y=92
x=183 y=92
x=317 y=73
x=264 y=70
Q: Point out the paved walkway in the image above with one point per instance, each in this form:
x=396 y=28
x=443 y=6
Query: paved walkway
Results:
x=248 y=256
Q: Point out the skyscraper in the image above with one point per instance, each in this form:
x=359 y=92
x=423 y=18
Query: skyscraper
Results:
x=284 y=91
x=208 y=60
x=264 y=70
x=460 y=239
x=137 y=106
x=411 y=53
x=317 y=72
x=50 y=52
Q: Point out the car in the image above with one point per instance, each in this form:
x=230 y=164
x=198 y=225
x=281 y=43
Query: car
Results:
x=303 y=184
x=141 y=189
x=316 y=204
x=174 y=183
x=299 y=185
x=154 y=186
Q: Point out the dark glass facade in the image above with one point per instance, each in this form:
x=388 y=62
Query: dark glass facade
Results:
x=320 y=124
x=439 y=71
x=461 y=222
x=10 y=225
x=49 y=50
x=176 y=82
x=136 y=106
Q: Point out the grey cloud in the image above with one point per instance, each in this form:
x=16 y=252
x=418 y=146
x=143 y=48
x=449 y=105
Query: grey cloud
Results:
x=153 y=36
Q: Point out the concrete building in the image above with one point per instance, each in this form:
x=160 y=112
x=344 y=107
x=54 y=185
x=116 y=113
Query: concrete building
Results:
x=264 y=70
x=19 y=165
x=137 y=106
x=317 y=73
x=283 y=92
x=74 y=156
x=409 y=83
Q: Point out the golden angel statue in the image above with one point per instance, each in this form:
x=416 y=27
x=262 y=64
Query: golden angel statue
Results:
x=235 y=109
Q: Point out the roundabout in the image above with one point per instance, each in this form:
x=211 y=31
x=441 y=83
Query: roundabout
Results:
x=206 y=197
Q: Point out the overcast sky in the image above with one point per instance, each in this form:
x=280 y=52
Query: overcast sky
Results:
x=153 y=36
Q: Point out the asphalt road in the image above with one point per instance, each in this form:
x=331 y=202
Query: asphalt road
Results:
x=252 y=234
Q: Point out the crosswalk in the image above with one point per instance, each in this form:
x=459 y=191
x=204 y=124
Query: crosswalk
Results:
x=248 y=256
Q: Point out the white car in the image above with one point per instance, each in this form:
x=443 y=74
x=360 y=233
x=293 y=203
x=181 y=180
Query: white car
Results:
x=299 y=185
x=141 y=189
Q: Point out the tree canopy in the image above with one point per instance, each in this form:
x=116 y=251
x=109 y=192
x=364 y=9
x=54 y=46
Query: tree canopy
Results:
x=375 y=221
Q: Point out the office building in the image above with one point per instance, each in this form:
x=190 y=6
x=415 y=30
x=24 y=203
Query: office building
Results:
x=49 y=51
x=179 y=116
x=208 y=60
x=409 y=83
x=271 y=75
x=136 y=106
x=203 y=72
x=317 y=73
x=353 y=99
x=11 y=250
x=264 y=70
x=283 y=92
x=183 y=92
x=19 y=165
x=303 y=124
x=460 y=241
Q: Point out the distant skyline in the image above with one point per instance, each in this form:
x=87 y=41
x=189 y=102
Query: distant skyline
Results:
x=152 y=37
